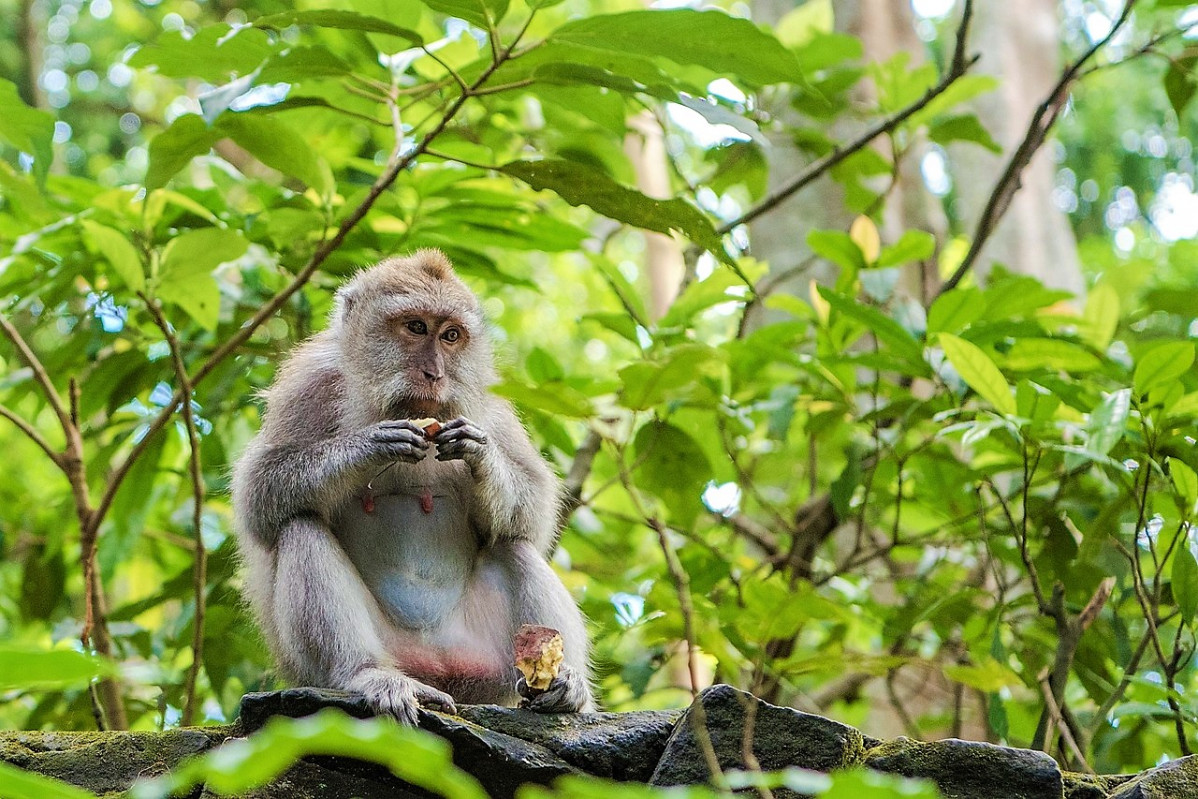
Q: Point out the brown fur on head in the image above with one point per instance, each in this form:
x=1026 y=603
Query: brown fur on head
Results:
x=399 y=371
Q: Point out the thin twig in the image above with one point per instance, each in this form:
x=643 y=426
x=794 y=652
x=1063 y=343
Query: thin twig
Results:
x=200 y=560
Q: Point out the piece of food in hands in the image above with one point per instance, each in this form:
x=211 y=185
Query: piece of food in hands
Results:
x=539 y=653
x=430 y=426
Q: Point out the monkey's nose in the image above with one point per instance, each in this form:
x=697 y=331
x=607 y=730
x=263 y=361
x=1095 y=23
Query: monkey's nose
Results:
x=432 y=377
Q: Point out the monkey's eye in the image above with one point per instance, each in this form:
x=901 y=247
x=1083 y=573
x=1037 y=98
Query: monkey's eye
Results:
x=417 y=327
x=451 y=335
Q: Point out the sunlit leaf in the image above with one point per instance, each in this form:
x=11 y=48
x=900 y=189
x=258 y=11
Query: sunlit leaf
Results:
x=117 y=250
x=979 y=372
x=1101 y=316
x=45 y=669
x=29 y=130
x=342 y=20
x=710 y=39
x=21 y=784
x=580 y=184
x=864 y=233
x=1162 y=363
x=278 y=146
x=913 y=245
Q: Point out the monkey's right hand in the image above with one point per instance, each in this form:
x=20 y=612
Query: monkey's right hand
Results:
x=394 y=440
x=395 y=694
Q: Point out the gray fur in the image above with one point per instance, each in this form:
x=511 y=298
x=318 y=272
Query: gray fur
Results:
x=373 y=567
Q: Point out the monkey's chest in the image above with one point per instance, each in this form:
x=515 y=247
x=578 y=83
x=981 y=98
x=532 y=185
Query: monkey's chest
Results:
x=415 y=550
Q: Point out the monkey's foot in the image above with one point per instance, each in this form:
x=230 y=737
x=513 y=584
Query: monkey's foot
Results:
x=394 y=694
x=568 y=693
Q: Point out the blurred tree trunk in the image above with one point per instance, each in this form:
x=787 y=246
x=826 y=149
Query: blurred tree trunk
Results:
x=31 y=24
x=1019 y=41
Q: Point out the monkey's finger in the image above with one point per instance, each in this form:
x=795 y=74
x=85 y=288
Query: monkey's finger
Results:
x=400 y=424
x=455 y=423
x=437 y=700
x=461 y=433
x=399 y=435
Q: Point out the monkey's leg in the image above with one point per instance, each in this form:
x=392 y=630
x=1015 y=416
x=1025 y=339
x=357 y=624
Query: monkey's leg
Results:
x=542 y=599
x=328 y=625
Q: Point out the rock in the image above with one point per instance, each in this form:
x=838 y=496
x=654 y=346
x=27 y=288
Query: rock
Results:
x=781 y=737
x=105 y=762
x=971 y=770
x=620 y=746
x=499 y=761
x=1177 y=779
x=258 y=708
x=1085 y=786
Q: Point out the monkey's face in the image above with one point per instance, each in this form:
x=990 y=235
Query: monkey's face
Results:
x=412 y=337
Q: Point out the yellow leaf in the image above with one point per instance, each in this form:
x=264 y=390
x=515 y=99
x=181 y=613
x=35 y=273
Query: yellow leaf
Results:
x=819 y=303
x=864 y=234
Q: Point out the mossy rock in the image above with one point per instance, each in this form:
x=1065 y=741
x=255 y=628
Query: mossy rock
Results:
x=971 y=770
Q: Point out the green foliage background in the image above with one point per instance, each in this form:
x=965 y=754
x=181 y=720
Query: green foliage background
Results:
x=992 y=465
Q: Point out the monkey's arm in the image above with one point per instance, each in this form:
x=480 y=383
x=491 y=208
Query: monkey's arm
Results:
x=302 y=465
x=516 y=494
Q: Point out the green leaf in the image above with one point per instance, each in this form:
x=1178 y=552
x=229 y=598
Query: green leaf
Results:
x=838 y=247
x=902 y=343
x=1101 y=316
x=989 y=675
x=979 y=372
x=673 y=466
x=302 y=63
x=955 y=310
x=804 y=22
x=341 y=20
x=648 y=383
x=1028 y=354
x=963 y=128
x=216 y=53
x=913 y=245
x=278 y=146
x=27 y=129
x=172 y=149
x=709 y=39
x=186 y=277
x=1161 y=364
x=117 y=250
x=579 y=184
x=45 y=669
x=1108 y=422
x=482 y=13
x=1185 y=580
x=1181 y=83
x=552 y=397
x=1186 y=482
x=21 y=784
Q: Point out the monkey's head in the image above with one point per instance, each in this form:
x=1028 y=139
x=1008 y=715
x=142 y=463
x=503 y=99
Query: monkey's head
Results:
x=412 y=337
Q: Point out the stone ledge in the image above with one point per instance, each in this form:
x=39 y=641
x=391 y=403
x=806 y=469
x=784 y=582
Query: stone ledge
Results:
x=505 y=748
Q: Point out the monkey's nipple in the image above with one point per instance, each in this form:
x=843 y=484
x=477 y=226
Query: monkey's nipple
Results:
x=426 y=499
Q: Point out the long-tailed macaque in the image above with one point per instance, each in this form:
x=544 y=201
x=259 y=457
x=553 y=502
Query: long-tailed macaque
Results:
x=380 y=561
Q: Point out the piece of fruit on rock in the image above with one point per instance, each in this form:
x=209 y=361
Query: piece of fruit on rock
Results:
x=430 y=426
x=539 y=653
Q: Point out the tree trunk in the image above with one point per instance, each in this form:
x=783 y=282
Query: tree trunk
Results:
x=1019 y=42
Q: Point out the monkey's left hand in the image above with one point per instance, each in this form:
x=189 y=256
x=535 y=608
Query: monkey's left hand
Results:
x=460 y=440
x=566 y=694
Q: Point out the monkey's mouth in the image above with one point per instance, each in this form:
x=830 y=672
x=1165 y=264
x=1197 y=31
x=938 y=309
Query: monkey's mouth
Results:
x=417 y=406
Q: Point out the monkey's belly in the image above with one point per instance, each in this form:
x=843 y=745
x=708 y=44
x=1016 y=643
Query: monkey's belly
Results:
x=415 y=560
